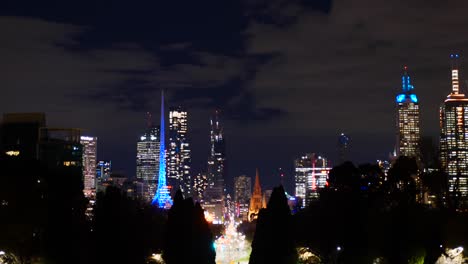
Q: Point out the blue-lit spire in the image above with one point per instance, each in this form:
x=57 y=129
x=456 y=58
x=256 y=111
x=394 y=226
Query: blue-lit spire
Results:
x=407 y=88
x=162 y=197
x=406 y=82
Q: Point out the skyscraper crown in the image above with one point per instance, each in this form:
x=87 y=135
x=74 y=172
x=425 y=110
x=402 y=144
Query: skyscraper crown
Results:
x=407 y=87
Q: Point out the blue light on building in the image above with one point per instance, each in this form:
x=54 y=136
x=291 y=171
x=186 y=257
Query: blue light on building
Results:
x=413 y=98
x=162 y=197
x=401 y=98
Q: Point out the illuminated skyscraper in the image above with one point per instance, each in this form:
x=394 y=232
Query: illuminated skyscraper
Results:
x=407 y=120
x=89 y=164
x=178 y=167
x=162 y=198
x=147 y=160
x=215 y=192
x=217 y=159
x=311 y=174
x=454 y=140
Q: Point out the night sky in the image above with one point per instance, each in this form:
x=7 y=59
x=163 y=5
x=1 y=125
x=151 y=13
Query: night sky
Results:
x=288 y=76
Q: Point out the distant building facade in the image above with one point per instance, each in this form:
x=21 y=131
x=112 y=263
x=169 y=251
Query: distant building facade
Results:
x=311 y=174
x=242 y=195
x=454 y=140
x=20 y=134
x=103 y=173
x=200 y=182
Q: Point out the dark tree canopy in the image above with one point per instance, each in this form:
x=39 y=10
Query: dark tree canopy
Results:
x=273 y=240
x=188 y=238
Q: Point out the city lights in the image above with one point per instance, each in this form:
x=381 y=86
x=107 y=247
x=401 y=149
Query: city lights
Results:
x=232 y=246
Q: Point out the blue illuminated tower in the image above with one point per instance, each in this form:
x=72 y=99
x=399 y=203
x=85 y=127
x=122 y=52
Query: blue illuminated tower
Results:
x=162 y=197
x=407 y=119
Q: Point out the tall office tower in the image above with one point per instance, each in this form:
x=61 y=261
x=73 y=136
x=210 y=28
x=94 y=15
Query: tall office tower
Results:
x=200 y=182
x=256 y=200
x=178 y=160
x=89 y=164
x=407 y=120
x=20 y=134
x=343 y=147
x=311 y=174
x=454 y=140
x=217 y=159
x=215 y=192
x=242 y=194
x=147 y=160
x=162 y=198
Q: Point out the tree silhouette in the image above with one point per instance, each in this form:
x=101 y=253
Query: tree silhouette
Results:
x=273 y=240
x=125 y=231
x=188 y=238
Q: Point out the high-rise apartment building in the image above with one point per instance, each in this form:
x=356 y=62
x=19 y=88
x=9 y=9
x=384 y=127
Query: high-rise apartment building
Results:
x=311 y=174
x=454 y=140
x=242 y=195
x=89 y=164
x=147 y=160
x=407 y=120
x=178 y=158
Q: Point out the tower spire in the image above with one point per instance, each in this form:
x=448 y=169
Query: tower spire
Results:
x=406 y=81
x=162 y=197
x=455 y=83
x=257 y=186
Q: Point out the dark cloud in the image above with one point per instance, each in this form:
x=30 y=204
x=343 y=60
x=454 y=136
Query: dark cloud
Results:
x=289 y=75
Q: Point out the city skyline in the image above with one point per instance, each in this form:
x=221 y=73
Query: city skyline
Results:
x=111 y=67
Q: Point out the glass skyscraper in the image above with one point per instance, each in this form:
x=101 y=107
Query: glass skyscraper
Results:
x=454 y=140
x=147 y=161
x=407 y=120
x=178 y=158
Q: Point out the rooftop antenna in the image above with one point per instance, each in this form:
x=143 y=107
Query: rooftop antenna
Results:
x=454 y=64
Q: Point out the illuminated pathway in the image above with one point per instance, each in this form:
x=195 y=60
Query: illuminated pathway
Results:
x=232 y=247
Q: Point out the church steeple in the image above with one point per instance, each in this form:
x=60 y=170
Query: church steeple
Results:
x=257 y=186
x=256 y=201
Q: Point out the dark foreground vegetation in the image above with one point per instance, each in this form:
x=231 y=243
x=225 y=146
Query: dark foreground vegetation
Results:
x=42 y=220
